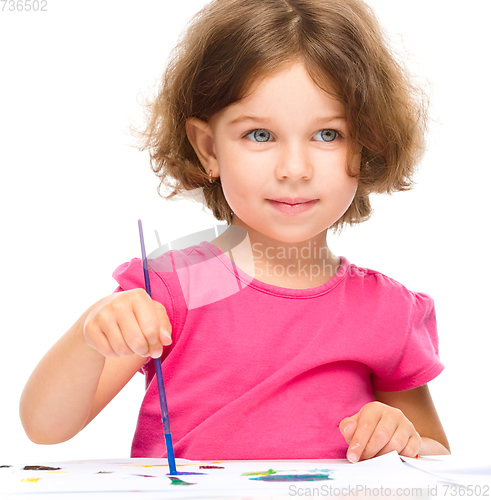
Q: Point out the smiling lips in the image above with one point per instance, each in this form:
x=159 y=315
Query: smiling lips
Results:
x=292 y=206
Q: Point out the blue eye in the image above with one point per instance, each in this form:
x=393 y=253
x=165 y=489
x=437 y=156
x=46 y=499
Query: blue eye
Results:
x=327 y=134
x=259 y=135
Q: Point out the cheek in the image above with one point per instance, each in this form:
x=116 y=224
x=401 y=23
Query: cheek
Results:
x=348 y=184
x=351 y=187
x=236 y=178
x=342 y=196
x=338 y=181
x=340 y=192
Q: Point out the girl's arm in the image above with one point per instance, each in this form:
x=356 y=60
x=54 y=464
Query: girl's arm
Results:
x=91 y=363
x=403 y=421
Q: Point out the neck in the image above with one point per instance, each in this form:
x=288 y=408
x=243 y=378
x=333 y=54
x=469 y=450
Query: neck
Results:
x=303 y=264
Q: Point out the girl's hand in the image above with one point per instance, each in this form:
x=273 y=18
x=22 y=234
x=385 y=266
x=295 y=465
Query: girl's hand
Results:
x=128 y=323
x=378 y=429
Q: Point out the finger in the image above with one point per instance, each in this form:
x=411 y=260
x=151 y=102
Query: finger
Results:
x=385 y=435
x=412 y=447
x=108 y=332
x=347 y=426
x=368 y=420
x=116 y=340
x=133 y=336
x=165 y=326
x=96 y=339
x=148 y=321
x=397 y=442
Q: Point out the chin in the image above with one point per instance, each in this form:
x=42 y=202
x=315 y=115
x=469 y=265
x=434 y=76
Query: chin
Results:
x=294 y=237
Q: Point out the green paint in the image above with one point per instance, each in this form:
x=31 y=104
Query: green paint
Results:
x=261 y=473
x=180 y=482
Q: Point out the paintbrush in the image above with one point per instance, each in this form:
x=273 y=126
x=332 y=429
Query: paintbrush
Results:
x=158 y=371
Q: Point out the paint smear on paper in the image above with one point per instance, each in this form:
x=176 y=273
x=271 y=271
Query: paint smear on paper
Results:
x=40 y=467
x=260 y=473
x=179 y=482
x=182 y=473
x=292 y=477
x=211 y=467
x=143 y=475
x=30 y=480
x=5 y=466
x=105 y=472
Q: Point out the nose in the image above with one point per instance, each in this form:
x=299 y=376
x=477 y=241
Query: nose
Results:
x=293 y=163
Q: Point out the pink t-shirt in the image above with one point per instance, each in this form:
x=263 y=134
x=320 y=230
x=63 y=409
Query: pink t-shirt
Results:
x=257 y=371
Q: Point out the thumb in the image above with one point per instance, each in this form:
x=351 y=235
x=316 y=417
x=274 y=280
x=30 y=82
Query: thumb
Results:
x=347 y=426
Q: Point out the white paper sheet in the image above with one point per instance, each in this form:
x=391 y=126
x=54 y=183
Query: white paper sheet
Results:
x=385 y=476
x=457 y=471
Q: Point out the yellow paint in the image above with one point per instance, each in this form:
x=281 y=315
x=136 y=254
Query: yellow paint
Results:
x=30 y=480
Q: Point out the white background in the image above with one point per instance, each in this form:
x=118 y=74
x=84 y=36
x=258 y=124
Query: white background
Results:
x=72 y=190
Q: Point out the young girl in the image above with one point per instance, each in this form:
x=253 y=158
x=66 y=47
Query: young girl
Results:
x=288 y=114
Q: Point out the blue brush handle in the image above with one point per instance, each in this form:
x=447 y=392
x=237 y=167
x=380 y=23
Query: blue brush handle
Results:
x=165 y=417
x=158 y=371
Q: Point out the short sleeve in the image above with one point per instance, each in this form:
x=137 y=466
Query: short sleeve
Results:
x=130 y=276
x=164 y=289
x=419 y=361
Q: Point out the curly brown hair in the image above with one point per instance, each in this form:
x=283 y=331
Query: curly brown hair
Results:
x=231 y=43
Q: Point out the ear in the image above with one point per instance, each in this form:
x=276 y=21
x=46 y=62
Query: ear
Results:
x=201 y=138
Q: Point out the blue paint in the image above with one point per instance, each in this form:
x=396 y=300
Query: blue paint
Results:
x=292 y=477
x=182 y=473
x=170 y=453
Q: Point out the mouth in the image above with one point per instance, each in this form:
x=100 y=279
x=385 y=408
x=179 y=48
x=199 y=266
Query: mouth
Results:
x=292 y=201
x=292 y=206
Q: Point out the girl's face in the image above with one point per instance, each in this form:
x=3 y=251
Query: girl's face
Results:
x=281 y=154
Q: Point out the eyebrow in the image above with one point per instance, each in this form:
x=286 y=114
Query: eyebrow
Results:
x=330 y=118
x=244 y=118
